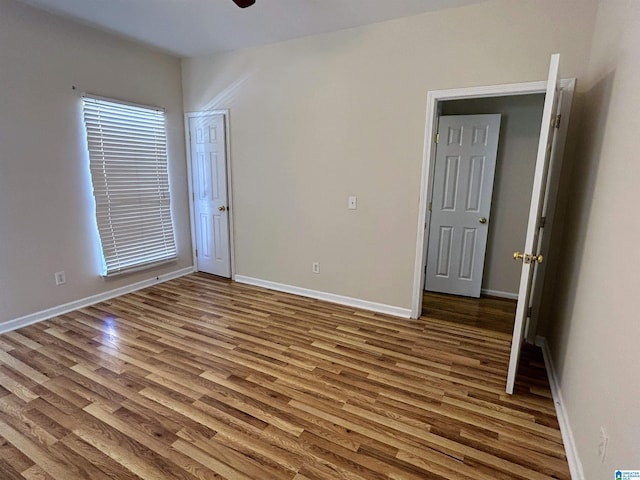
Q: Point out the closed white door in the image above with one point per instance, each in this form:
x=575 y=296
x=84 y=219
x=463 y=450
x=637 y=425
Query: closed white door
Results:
x=530 y=256
x=461 y=203
x=210 y=204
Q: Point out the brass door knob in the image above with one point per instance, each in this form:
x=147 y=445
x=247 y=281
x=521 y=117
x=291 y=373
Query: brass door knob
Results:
x=222 y=208
x=483 y=220
x=528 y=257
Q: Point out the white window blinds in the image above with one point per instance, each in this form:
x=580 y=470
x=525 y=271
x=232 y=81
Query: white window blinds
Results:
x=128 y=163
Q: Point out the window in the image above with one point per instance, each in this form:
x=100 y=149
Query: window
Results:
x=128 y=162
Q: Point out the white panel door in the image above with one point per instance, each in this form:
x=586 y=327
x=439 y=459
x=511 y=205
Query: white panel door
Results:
x=461 y=203
x=565 y=98
x=529 y=256
x=210 y=205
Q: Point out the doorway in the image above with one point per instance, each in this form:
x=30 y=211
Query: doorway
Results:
x=506 y=220
x=436 y=101
x=551 y=141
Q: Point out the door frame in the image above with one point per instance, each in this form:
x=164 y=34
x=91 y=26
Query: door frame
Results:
x=434 y=97
x=187 y=117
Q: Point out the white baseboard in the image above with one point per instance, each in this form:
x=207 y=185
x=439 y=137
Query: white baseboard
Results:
x=498 y=293
x=328 y=297
x=575 y=465
x=85 y=302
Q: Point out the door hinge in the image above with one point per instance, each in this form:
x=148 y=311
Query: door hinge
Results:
x=436 y=138
x=555 y=123
x=196 y=252
x=543 y=222
x=430 y=205
x=529 y=311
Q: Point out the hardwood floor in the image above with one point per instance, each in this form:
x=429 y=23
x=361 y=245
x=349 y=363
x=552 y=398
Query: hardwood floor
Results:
x=490 y=313
x=199 y=378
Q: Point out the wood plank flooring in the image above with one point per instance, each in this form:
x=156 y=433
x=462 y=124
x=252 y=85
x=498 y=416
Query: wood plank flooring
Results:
x=490 y=313
x=199 y=378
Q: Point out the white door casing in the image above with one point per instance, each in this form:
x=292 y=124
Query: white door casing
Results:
x=461 y=203
x=546 y=145
x=210 y=194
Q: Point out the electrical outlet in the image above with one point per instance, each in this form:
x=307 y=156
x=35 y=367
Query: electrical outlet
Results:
x=60 y=277
x=602 y=444
x=315 y=267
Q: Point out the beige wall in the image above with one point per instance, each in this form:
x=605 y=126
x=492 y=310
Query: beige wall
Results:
x=321 y=118
x=46 y=221
x=519 y=134
x=595 y=331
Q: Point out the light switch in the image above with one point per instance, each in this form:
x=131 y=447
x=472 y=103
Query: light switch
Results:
x=353 y=203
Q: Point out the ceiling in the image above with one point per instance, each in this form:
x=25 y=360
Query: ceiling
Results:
x=189 y=28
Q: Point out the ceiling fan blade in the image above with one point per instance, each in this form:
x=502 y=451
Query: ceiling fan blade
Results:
x=244 y=3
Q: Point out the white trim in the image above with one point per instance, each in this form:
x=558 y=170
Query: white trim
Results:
x=231 y=210
x=85 y=302
x=571 y=451
x=328 y=297
x=502 y=90
x=500 y=294
x=433 y=99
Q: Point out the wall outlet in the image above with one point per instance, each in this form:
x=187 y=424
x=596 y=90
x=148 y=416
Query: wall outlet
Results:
x=315 y=267
x=60 y=277
x=602 y=444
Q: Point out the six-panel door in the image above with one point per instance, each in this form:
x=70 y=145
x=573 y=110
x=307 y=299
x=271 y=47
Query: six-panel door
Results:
x=461 y=203
x=208 y=162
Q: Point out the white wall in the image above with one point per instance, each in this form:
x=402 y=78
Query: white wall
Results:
x=321 y=118
x=515 y=164
x=595 y=332
x=46 y=216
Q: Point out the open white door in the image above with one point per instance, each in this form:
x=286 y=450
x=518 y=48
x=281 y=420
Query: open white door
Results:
x=531 y=256
x=548 y=210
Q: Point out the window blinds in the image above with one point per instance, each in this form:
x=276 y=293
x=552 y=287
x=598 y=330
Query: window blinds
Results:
x=128 y=162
